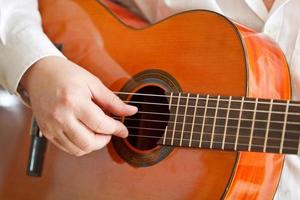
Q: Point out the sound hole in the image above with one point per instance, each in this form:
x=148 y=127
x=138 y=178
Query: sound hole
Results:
x=147 y=127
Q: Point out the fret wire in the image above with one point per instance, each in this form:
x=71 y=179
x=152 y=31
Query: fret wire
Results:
x=207 y=141
x=284 y=125
x=221 y=126
x=245 y=119
x=235 y=109
x=170 y=102
x=184 y=117
x=165 y=135
x=252 y=125
x=214 y=123
x=239 y=124
x=193 y=123
x=157 y=95
x=226 y=122
x=208 y=133
x=177 y=108
x=268 y=125
x=203 y=120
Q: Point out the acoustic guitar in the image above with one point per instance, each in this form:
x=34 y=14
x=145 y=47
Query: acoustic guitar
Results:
x=214 y=115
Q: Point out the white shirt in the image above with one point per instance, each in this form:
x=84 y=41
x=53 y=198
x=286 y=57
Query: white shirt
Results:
x=22 y=43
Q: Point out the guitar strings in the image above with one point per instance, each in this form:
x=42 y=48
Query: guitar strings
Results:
x=206 y=124
x=209 y=134
x=297 y=104
x=216 y=133
x=207 y=141
x=230 y=118
x=219 y=108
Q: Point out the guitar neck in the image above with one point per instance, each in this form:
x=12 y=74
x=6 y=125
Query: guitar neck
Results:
x=233 y=123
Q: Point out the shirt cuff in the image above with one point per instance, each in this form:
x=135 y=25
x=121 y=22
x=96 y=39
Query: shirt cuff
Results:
x=20 y=52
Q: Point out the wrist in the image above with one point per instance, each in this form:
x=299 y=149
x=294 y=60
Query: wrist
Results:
x=23 y=85
x=37 y=71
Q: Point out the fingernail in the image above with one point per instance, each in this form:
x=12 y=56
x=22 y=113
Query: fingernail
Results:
x=124 y=133
x=132 y=108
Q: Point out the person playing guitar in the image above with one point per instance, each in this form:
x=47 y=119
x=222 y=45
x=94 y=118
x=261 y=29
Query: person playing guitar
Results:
x=71 y=105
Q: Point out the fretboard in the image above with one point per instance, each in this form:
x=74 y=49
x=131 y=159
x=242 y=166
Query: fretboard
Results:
x=233 y=123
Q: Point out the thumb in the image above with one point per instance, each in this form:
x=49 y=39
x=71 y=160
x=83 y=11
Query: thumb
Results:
x=107 y=100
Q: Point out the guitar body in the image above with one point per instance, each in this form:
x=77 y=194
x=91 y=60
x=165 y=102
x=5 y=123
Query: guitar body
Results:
x=197 y=52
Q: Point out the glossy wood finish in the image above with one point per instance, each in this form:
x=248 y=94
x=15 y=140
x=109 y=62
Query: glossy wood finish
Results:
x=14 y=141
x=99 y=43
x=267 y=66
x=257 y=174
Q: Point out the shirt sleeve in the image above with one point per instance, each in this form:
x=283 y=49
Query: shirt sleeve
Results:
x=22 y=41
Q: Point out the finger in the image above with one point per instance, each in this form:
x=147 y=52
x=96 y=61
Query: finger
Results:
x=56 y=143
x=97 y=121
x=84 y=138
x=111 y=102
x=63 y=143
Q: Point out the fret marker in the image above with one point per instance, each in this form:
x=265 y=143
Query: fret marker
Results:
x=184 y=117
x=284 y=125
x=203 y=121
x=252 y=126
x=214 y=124
x=226 y=122
x=173 y=134
x=193 y=123
x=268 y=125
x=239 y=124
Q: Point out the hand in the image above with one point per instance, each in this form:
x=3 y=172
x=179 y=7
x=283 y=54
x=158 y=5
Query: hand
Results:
x=65 y=100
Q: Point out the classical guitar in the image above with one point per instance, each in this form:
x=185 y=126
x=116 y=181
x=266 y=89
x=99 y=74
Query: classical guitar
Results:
x=214 y=117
